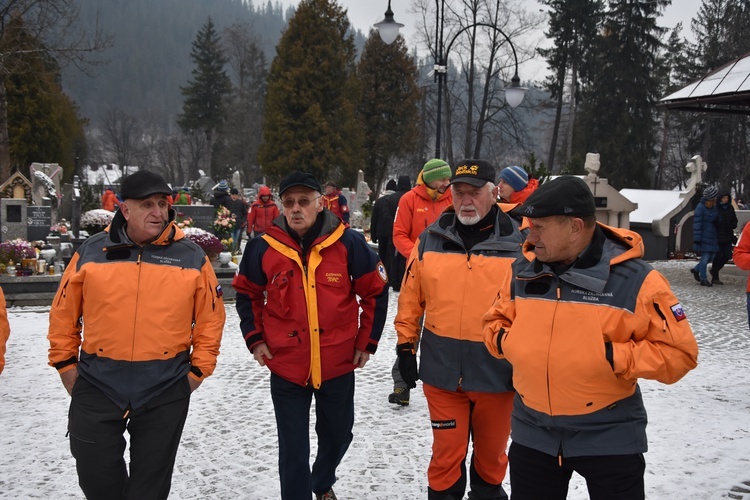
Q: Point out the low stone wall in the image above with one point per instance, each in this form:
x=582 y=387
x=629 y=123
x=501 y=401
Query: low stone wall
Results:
x=39 y=290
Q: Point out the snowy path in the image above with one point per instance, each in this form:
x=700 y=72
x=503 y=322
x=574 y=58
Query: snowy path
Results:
x=699 y=430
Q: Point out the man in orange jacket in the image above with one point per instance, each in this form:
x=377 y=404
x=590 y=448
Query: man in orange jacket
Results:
x=469 y=393
x=580 y=321
x=109 y=200
x=417 y=209
x=4 y=329
x=741 y=257
x=134 y=329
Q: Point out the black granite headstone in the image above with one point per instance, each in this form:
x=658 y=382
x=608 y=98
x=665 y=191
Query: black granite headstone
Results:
x=39 y=221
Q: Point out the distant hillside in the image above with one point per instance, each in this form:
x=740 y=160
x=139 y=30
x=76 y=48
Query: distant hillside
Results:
x=150 y=59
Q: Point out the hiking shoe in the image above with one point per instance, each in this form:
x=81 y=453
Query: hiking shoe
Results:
x=399 y=396
x=706 y=283
x=328 y=495
x=695 y=274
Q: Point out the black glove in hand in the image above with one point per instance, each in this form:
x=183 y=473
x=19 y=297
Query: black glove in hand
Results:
x=407 y=364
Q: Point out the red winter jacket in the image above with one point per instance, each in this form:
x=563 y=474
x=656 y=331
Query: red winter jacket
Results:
x=261 y=213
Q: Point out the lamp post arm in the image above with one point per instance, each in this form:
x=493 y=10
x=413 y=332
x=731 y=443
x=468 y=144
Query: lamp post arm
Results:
x=486 y=25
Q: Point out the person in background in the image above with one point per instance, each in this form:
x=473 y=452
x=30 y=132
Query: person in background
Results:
x=469 y=393
x=741 y=258
x=398 y=261
x=726 y=223
x=312 y=298
x=262 y=212
x=134 y=329
x=4 y=330
x=239 y=208
x=381 y=225
x=417 y=209
x=334 y=201
x=221 y=196
x=182 y=197
x=514 y=185
x=580 y=320
x=705 y=236
x=109 y=200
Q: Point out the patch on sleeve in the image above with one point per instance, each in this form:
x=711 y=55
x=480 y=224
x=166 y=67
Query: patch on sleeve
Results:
x=381 y=272
x=219 y=291
x=678 y=311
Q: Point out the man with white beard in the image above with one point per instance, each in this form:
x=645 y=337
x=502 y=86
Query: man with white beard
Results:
x=452 y=277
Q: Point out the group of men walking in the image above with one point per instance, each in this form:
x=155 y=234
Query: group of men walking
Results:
x=531 y=318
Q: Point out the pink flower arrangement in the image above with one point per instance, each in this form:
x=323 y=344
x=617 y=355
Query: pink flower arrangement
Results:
x=16 y=250
x=225 y=221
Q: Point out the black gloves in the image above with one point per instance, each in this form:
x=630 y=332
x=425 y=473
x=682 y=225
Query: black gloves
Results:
x=407 y=364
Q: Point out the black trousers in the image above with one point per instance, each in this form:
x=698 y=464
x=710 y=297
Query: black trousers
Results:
x=722 y=257
x=97 y=426
x=535 y=475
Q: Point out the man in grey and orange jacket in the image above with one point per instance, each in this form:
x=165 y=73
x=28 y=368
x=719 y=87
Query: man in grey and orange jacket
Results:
x=580 y=321
x=469 y=393
x=135 y=327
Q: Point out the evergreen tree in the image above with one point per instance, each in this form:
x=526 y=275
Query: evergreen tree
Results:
x=573 y=29
x=388 y=106
x=241 y=133
x=618 y=117
x=205 y=108
x=43 y=124
x=312 y=91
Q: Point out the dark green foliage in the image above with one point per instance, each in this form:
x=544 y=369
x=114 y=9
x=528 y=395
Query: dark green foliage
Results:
x=388 y=107
x=205 y=94
x=617 y=112
x=310 y=120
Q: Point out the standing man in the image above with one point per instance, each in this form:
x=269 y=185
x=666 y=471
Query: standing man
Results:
x=297 y=297
x=705 y=237
x=398 y=261
x=381 y=225
x=336 y=202
x=580 y=324
x=262 y=212
x=726 y=223
x=239 y=208
x=128 y=352
x=4 y=329
x=469 y=393
x=417 y=209
x=514 y=185
x=741 y=258
x=109 y=200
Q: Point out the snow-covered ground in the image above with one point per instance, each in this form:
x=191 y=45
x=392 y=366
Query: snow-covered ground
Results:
x=699 y=430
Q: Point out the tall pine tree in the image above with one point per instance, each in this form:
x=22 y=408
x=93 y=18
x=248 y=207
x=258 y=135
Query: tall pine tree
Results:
x=312 y=91
x=618 y=110
x=388 y=106
x=205 y=107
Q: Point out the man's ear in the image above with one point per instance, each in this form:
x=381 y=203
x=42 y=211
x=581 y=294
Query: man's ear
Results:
x=576 y=228
x=125 y=209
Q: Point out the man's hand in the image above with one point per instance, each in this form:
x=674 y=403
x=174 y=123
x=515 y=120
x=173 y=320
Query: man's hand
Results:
x=361 y=358
x=69 y=379
x=407 y=364
x=194 y=384
x=261 y=353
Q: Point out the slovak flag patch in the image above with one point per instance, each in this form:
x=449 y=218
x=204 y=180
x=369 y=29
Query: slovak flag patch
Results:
x=678 y=311
x=219 y=291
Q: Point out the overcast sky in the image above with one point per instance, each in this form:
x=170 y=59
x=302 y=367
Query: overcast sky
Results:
x=364 y=13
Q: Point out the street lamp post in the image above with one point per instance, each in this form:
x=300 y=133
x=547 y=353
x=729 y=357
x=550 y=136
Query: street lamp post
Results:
x=388 y=29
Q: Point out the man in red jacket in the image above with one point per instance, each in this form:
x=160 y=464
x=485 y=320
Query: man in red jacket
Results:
x=262 y=212
x=312 y=300
x=335 y=201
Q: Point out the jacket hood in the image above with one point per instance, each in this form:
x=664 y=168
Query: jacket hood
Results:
x=404 y=183
x=264 y=191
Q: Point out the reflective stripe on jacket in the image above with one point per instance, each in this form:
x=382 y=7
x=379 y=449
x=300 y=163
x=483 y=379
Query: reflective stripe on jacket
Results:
x=146 y=314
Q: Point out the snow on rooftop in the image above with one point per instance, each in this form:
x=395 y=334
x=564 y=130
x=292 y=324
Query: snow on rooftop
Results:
x=652 y=204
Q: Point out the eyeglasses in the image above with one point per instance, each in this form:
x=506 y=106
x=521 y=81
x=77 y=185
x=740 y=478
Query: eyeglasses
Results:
x=302 y=202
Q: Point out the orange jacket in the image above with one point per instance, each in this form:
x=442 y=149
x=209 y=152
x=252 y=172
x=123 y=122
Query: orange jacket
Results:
x=520 y=196
x=4 y=329
x=554 y=332
x=417 y=209
x=134 y=319
x=109 y=200
x=453 y=352
x=741 y=254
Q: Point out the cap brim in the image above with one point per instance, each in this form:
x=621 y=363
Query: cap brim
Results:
x=297 y=184
x=474 y=181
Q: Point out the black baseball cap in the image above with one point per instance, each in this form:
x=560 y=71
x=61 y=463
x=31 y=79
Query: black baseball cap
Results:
x=142 y=184
x=299 y=179
x=474 y=172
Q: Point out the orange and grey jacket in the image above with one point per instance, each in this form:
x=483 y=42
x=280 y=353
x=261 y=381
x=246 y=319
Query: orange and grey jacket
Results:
x=741 y=253
x=147 y=315
x=417 y=209
x=579 y=341
x=453 y=287
x=4 y=329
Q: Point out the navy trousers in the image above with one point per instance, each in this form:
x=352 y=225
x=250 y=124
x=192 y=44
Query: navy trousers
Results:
x=334 y=419
x=535 y=475
x=97 y=426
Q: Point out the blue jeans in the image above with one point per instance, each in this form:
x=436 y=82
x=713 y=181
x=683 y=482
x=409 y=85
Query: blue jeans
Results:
x=334 y=419
x=236 y=238
x=706 y=257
